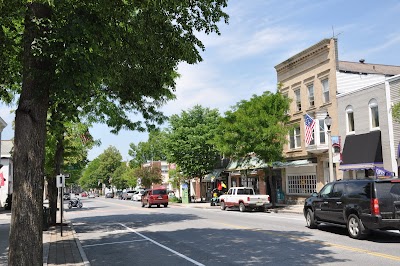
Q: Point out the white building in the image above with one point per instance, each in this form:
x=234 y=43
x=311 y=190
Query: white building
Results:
x=6 y=172
x=371 y=137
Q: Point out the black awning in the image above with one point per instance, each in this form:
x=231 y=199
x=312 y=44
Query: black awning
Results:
x=363 y=149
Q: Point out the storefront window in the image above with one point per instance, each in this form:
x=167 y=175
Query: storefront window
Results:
x=302 y=184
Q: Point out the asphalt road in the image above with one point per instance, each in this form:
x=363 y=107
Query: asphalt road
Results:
x=116 y=232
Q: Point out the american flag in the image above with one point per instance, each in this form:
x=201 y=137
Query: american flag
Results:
x=309 y=124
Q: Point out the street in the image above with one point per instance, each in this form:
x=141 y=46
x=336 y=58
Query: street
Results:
x=117 y=232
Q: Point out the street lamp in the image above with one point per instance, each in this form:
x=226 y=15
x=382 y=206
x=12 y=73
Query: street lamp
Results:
x=328 y=122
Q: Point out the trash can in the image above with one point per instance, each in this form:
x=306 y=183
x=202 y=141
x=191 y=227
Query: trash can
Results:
x=46 y=218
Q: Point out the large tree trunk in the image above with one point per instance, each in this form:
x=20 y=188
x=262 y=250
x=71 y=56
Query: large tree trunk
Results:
x=26 y=235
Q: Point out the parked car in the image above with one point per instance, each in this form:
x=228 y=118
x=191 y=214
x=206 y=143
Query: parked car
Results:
x=127 y=195
x=137 y=196
x=84 y=194
x=118 y=194
x=360 y=205
x=244 y=198
x=110 y=195
x=67 y=196
x=91 y=195
x=155 y=196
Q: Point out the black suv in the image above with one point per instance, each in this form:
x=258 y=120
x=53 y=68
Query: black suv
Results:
x=361 y=205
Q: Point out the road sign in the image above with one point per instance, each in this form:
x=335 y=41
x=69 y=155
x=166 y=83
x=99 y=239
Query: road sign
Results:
x=60 y=180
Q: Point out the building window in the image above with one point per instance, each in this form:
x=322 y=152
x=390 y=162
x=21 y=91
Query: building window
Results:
x=374 y=114
x=349 y=119
x=325 y=90
x=295 y=138
x=322 y=139
x=298 y=100
x=302 y=184
x=310 y=89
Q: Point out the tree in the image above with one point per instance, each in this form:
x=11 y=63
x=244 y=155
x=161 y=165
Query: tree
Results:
x=190 y=141
x=105 y=59
x=176 y=178
x=110 y=161
x=67 y=147
x=258 y=126
x=123 y=177
x=151 y=150
x=148 y=176
x=90 y=177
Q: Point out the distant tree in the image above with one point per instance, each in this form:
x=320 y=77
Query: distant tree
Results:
x=190 y=141
x=148 y=176
x=110 y=160
x=257 y=125
x=90 y=177
x=118 y=179
x=176 y=178
x=151 y=150
x=67 y=148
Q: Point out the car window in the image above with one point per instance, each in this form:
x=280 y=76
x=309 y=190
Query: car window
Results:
x=159 y=192
x=326 y=190
x=392 y=189
x=359 y=189
x=338 y=190
x=240 y=191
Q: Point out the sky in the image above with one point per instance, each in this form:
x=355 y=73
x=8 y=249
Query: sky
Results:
x=261 y=34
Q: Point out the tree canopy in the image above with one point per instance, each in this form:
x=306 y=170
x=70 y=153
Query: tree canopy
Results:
x=259 y=126
x=103 y=59
x=190 y=140
x=151 y=150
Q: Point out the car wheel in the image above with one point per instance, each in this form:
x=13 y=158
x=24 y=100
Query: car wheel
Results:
x=242 y=208
x=310 y=220
x=166 y=205
x=356 y=228
x=223 y=206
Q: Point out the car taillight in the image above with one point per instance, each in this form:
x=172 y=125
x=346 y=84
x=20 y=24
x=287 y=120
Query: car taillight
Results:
x=375 y=207
x=248 y=198
x=269 y=198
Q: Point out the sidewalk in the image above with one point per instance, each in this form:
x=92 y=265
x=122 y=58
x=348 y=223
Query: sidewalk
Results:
x=280 y=208
x=63 y=250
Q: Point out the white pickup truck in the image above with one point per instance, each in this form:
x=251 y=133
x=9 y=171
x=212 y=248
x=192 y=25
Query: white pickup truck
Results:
x=244 y=198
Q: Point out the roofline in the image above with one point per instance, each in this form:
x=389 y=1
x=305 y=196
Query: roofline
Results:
x=322 y=42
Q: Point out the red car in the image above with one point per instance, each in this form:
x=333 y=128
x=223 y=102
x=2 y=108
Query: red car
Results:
x=83 y=194
x=155 y=196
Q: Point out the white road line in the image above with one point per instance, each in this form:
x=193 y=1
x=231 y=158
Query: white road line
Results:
x=164 y=247
x=112 y=243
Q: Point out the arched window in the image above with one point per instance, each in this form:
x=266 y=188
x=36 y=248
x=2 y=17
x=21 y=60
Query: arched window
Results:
x=349 y=119
x=373 y=113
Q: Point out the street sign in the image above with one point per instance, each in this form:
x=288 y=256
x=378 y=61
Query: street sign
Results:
x=60 y=180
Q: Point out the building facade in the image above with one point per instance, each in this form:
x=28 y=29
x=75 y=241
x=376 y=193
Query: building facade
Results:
x=309 y=79
x=315 y=79
x=371 y=135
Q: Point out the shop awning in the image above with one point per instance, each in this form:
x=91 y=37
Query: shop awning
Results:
x=296 y=163
x=246 y=163
x=362 y=151
x=211 y=177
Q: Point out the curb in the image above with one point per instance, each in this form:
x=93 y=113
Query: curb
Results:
x=78 y=244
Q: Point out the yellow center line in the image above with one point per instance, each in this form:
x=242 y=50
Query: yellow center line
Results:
x=304 y=239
